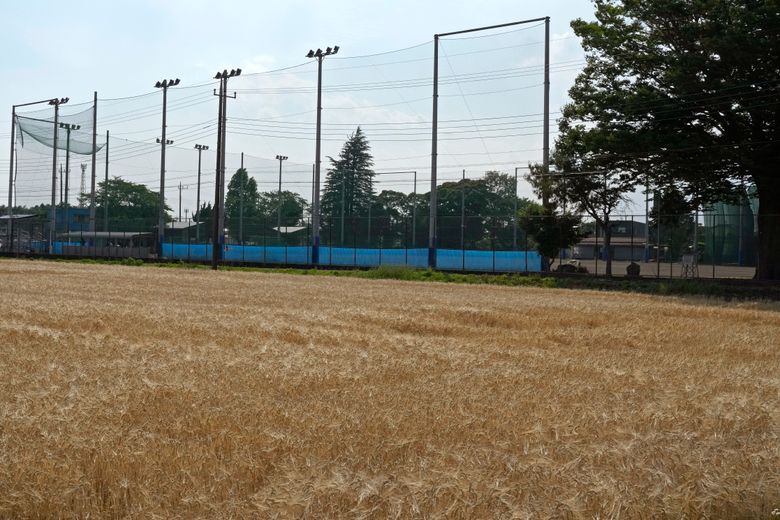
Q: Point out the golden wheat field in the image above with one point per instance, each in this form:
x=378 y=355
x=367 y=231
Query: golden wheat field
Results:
x=142 y=392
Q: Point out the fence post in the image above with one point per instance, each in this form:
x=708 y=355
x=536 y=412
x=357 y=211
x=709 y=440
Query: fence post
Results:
x=597 y=255
x=406 y=242
x=525 y=234
x=658 y=248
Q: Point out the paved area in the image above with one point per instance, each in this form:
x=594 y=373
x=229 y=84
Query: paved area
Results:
x=670 y=270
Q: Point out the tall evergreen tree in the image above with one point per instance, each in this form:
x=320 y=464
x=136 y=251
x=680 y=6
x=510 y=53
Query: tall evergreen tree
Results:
x=349 y=184
x=241 y=199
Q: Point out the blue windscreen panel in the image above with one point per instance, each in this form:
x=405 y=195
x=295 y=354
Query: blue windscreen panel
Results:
x=446 y=259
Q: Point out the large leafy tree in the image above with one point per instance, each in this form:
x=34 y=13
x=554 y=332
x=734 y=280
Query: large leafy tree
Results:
x=685 y=90
x=549 y=224
x=131 y=206
x=288 y=205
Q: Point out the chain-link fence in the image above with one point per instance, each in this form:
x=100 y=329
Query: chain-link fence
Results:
x=703 y=245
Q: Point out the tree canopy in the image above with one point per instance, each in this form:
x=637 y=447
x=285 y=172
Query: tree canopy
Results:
x=240 y=202
x=131 y=206
x=685 y=93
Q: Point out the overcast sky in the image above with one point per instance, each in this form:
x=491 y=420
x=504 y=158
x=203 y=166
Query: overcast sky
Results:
x=121 y=48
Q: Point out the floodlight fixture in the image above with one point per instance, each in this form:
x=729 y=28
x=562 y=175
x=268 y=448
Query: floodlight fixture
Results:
x=310 y=54
x=335 y=49
x=201 y=147
x=282 y=157
x=167 y=141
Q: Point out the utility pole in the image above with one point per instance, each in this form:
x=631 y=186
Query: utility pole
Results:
x=315 y=249
x=219 y=196
x=435 y=125
x=52 y=229
x=180 y=201
x=280 y=158
x=199 y=148
x=68 y=128
x=164 y=84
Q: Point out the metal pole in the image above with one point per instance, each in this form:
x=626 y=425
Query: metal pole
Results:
x=463 y=223
x=197 y=197
x=66 y=227
x=92 y=215
x=161 y=211
x=546 y=130
x=696 y=238
x=514 y=216
x=740 y=242
x=315 y=251
x=11 y=179
x=52 y=231
x=463 y=215
x=434 y=156
x=370 y=202
x=343 y=182
x=414 y=213
x=647 y=219
x=279 y=202
x=105 y=190
x=179 y=201
x=241 y=205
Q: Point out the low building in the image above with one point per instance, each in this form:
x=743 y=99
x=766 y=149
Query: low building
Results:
x=627 y=243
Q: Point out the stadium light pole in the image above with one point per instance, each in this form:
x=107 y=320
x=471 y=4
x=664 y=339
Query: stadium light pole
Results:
x=219 y=197
x=164 y=84
x=199 y=148
x=432 y=238
x=52 y=232
x=68 y=128
x=280 y=158
x=319 y=54
x=11 y=166
x=514 y=215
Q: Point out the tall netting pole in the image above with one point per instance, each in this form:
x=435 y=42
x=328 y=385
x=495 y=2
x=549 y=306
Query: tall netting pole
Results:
x=94 y=166
x=53 y=220
x=11 y=181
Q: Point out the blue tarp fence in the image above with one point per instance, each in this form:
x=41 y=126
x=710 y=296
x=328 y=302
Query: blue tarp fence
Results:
x=446 y=259
x=449 y=259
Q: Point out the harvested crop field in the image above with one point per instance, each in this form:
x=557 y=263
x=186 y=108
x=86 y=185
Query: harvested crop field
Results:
x=142 y=392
